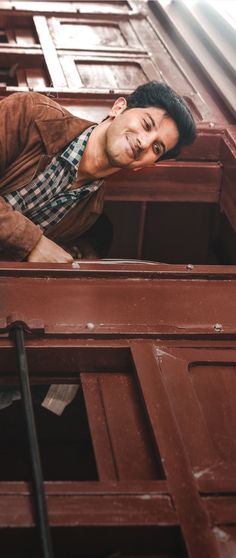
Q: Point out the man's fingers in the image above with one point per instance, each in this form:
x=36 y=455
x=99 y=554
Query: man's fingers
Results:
x=48 y=251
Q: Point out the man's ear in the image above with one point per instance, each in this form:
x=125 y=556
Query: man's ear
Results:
x=119 y=106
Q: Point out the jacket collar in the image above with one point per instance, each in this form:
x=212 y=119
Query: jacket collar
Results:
x=56 y=134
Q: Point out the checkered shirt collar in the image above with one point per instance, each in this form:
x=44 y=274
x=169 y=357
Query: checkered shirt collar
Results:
x=74 y=151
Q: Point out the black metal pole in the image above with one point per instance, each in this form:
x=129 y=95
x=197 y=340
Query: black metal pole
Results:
x=40 y=500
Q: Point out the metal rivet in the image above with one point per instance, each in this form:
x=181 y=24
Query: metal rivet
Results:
x=75 y=265
x=211 y=124
x=189 y=266
x=90 y=325
x=218 y=327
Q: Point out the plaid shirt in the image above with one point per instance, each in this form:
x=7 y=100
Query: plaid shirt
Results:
x=47 y=198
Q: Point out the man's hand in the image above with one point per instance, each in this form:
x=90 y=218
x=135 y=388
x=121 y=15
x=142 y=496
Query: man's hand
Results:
x=48 y=251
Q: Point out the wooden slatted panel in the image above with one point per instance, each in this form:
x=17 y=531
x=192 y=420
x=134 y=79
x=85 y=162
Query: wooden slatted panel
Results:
x=133 y=23
x=118 y=428
x=90 y=34
x=24 y=68
x=85 y=7
x=36 y=78
x=49 y=51
x=105 y=75
x=19 y=32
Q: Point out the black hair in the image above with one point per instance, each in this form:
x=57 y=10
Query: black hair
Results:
x=160 y=95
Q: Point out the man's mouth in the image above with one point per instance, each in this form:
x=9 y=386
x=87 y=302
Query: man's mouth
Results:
x=134 y=148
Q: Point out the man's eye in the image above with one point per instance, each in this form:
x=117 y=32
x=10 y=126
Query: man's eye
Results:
x=157 y=148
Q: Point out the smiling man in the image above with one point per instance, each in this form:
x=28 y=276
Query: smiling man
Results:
x=139 y=137
x=52 y=164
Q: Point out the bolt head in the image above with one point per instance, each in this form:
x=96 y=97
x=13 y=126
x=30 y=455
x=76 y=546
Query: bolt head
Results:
x=75 y=265
x=90 y=325
x=189 y=266
x=218 y=327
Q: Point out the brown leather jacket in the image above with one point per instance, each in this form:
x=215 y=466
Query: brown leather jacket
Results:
x=33 y=128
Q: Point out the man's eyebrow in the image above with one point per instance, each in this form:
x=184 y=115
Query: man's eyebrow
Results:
x=152 y=121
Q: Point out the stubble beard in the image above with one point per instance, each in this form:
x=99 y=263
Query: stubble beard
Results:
x=114 y=161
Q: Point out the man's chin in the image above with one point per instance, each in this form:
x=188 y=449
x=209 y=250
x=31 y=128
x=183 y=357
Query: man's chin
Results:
x=120 y=162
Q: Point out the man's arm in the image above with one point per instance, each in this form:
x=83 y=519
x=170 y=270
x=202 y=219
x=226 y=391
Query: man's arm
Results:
x=20 y=238
x=18 y=235
x=16 y=117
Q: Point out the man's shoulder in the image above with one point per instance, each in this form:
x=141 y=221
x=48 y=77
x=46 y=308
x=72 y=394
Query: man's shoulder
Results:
x=32 y=105
x=37 y=107
x=31 y=101
x=57 y=126
x=38 y=99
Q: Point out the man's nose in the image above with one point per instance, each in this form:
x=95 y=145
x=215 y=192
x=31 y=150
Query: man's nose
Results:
x=143 y=141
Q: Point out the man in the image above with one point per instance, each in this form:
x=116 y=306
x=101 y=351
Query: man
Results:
x=51 y=170
x=52 y=164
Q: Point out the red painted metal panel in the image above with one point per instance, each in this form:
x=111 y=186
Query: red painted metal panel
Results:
x=94 y=508
x=129 y=442
x=99 y=427
x=173 y=181
x=222 y=509
x=117 y=308
x=174 y=387
x=194 y=520
x=201 y=385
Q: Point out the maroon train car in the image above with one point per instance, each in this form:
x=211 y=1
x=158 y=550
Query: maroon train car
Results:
x=142 y=462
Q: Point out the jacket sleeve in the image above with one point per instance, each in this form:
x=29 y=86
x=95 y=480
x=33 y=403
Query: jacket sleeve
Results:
x=18 y=235
x=15 y=121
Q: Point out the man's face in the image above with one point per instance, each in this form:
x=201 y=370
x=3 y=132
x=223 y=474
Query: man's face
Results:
x=138 y=137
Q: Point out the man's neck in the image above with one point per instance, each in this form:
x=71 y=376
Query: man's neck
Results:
x=94 y=163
